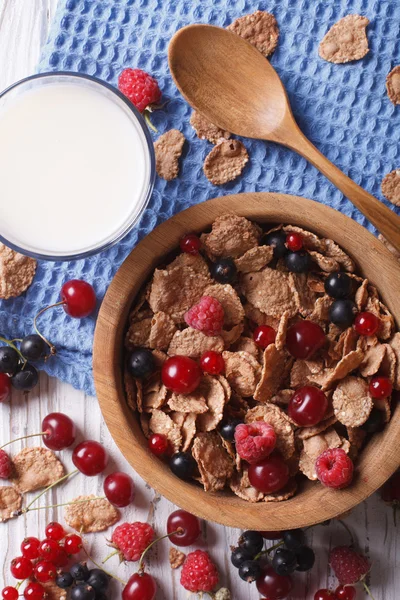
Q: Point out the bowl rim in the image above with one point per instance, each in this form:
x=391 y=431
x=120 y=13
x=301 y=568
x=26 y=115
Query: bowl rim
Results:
x=319 y=503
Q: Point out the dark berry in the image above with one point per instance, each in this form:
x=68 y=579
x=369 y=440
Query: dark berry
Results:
x=98 y=580
x=343 y=313
x=183 y=465
x=9 y=360
x=82 y=592
x=250 y=570
x=375 y=421
x=338 y=285
x=305 y=558
x=284 y=562
x=293 y=538
x=276 y=239
x=33 y=347
x=26 y=378
x=252 y=541
x=80 y=572
x=298 y=262
x=227 y=429
x=141 y=363
x=240 y=555
x=223 y=271
x=64 y=580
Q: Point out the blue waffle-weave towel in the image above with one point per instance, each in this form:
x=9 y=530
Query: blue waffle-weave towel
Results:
x=344 y=110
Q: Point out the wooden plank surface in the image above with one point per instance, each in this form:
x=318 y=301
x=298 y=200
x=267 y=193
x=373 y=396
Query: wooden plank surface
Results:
x=23 y=30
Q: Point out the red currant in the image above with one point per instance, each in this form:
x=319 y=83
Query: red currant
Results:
x=345 y=592
x=272 y=535
x=181 y=374
x=79 y=298
x=73 y=544
x=34 y=591
x=54 y=531
x=272 y=585
x=366 y=323
x=5 y=387
x=264 y=335
x=119 y=489
x=190 y=244
x=212 y=362
x=187 y=526
x=140 y=587
x=324 y=595
x=30 y=548
x=269 y=475
x=90 y=458
x=9 y=593
x=45 y=571
x=59 y=431
x=308 y=406
x=62 y=558
x=21 y=567
x=48 y=549
x=158 y=444
x=304 y=338
x=380 y=387
x=294 y=241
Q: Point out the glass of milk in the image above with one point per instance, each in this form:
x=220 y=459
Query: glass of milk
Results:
x=77 y=166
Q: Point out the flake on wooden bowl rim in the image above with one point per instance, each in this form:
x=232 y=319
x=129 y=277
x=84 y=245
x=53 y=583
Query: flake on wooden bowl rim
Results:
x=168 y=149
x=225 y=162
x=16 y=272
x=260 y=29
x=241 y=486
x=288 y=491
x=91 y=514
x=346 y=40
x=35 y=468
x=394 y=343
x=205 y=130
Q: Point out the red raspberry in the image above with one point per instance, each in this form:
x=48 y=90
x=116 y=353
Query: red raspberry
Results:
x=255 y=442
x=140 y=87
x=334 y=468
x=207 y=316
x=199 y=574
x=349 y=566
x=5 y=465
x=132 y=539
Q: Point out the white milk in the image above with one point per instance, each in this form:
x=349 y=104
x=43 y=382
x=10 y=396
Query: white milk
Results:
x=74 y=166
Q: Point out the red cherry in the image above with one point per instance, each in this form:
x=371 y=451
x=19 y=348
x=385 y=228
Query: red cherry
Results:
x=269 y=475
x=48 y=549
x=90 y=458
x=30 y=548
x=264 y=335
x=390 y=491
x=380 y=387
x=212 y=362
x=119 y=489
x=62 y=558
x=158 y=444
x=366 y=323
x=272 y=535
x=190 y=244
x=54 y=531
x=34 y=591
x=308 y=406
x=272 y=585
x=187 y=525
x=181 y=374
x=60 y=431
x=345 y=592
x=9 y=593
x=304 y=338
x=45 y=571
x=73 y=544
x=5 y=388
x=21 y=567
x=140 y=587
x=324 y=595
x=79 y=298
x=294 y=241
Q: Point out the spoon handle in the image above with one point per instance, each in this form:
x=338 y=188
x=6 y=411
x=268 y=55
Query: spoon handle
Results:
x=385 y=220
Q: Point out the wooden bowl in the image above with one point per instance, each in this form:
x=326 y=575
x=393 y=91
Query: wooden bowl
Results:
x=313 y=502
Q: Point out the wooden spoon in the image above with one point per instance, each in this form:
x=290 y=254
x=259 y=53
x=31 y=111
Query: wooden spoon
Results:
x=232 y=84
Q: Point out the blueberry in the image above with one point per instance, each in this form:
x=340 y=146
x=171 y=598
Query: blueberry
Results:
x=9 y=360
x=141 y=363
x=338 y=285
x=240 y=555
x=80 y=572
x=343 y=312
x=375 y=421
x=250 y=570
x=223 y=271
x=305 y=558
x=98 y=580
x=33 y=347
x=64 y=580
x=183 y=465
x=227 y=429
x=277 y=239
x=82 y=592
x=26 y=378
x=293 y=538
x=298 y=262
x=284 y=562
x=252 y=541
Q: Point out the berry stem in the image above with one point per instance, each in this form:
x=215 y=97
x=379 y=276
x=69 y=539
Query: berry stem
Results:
x=113 y=553
x=146 y=116
x=63 y=504
x=49 y=487
x=53 y=349
x=19 y=584
x=101 y=568
x=347 y=528
x=163 y=537
x=14 y=347
x=268 y=550
x=25 y=437
x=368 y=590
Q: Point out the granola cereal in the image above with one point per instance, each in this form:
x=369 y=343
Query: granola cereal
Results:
x=259 y=29
x=225 y=162
x=16 y=272
x=176 y=558
x=35 y=468
x=91 y=514
x=10 y=502
x=346 y=40
x=393 y=85
x=206 y=130
x=391 y=186
x=168 y=149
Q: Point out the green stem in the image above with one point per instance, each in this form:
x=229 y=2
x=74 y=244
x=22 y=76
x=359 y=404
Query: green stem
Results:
x=49 y=487
x=101 y=568
x=347 y=528
x=268 y=550
x=19 y=584
x=368 y=590
x=148 y=121
x=53 y=349
x=25 y=510
x=141 y=566
x=113 y=553
x=25 y=437
x=14 y=347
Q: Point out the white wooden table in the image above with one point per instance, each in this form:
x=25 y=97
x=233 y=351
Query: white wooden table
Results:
x=23 y=29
